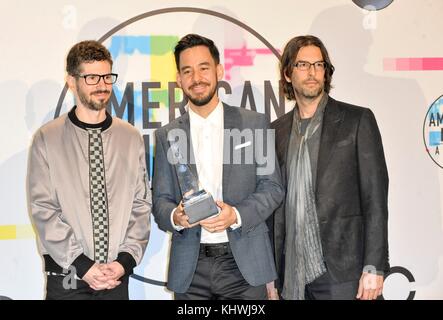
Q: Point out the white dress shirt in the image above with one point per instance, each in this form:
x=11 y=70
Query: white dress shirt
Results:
x=207 y=142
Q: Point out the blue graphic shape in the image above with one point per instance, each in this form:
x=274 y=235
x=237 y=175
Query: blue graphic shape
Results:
x=436 y=106
x=138 y=108
x=151 y=159
x=129 y=44
x=434 y=138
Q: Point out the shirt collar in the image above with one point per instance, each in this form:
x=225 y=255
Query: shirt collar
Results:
x=215 y=118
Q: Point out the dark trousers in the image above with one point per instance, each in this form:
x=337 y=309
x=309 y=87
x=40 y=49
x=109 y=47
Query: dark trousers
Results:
x=55 y=290
x=218 y=278
x=323 y=288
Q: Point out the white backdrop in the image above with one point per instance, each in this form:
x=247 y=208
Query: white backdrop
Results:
x=390 y=60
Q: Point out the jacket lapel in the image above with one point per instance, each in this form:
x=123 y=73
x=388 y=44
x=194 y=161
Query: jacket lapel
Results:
x=184 y=124
x=331 y=125
x=282 y=127
x=283 y=133
x=231 y=120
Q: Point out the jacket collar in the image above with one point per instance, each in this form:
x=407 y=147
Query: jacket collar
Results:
x=105 y=124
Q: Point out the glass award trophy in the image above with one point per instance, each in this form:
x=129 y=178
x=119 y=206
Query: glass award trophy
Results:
x=197 y=203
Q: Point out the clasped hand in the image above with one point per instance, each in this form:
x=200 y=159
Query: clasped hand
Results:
x=104 y=276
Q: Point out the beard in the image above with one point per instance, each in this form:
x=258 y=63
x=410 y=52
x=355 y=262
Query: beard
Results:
x=200 y=101
x=310 y=93
x=91 y=104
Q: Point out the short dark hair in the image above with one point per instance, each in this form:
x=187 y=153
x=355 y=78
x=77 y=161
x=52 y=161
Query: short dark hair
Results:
x=86 y=51
x=193 y=40
x=290 y=53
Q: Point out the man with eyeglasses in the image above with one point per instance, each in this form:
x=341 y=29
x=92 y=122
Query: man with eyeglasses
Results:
x=88 y=193
x=330 y=233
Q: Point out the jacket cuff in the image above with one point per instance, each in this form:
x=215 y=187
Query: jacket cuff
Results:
x=82 y=264
x=127 y=261
x=372 y=270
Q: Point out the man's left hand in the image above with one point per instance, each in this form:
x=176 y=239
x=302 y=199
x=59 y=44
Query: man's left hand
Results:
x=370 y=286
x=224 y=220
x=113 y=271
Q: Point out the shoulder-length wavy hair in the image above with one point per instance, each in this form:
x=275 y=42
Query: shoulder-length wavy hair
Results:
x=290 y=53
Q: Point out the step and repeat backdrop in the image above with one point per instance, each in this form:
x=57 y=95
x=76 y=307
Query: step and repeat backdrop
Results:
x=388 y=56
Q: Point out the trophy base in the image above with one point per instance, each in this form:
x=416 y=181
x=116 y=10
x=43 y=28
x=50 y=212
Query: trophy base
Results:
x=199 y=206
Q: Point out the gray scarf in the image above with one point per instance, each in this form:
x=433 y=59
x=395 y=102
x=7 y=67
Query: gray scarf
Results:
x=304 y=255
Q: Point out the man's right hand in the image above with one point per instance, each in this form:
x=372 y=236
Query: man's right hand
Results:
x=180 y=218
x=272 y=291
x=96 y=279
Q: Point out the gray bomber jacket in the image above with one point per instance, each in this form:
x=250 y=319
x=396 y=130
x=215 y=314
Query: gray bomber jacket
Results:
x=58 y=193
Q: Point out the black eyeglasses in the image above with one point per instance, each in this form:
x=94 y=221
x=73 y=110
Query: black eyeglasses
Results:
x=93 y=79
x=305 y=65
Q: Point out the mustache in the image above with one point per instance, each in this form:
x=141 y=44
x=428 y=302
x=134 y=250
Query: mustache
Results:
x=198 y=84
x=100 y=91
x=310 y=80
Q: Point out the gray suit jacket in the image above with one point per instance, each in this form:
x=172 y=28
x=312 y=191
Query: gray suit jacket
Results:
x=255 y=197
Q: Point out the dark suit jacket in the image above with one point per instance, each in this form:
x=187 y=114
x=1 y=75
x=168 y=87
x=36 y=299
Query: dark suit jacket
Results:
x=254 y=196
x=351 y=192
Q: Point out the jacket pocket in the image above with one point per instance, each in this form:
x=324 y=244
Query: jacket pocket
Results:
x=258 y=230
x=344 y=143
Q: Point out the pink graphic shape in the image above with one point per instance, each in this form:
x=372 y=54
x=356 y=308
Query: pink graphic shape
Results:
x=241 y=57
x=412 y=64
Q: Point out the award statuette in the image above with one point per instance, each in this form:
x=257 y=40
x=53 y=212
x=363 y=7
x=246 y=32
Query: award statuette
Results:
x=197 y=203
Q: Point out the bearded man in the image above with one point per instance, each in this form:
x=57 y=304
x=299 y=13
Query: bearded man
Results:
x=87 y=187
